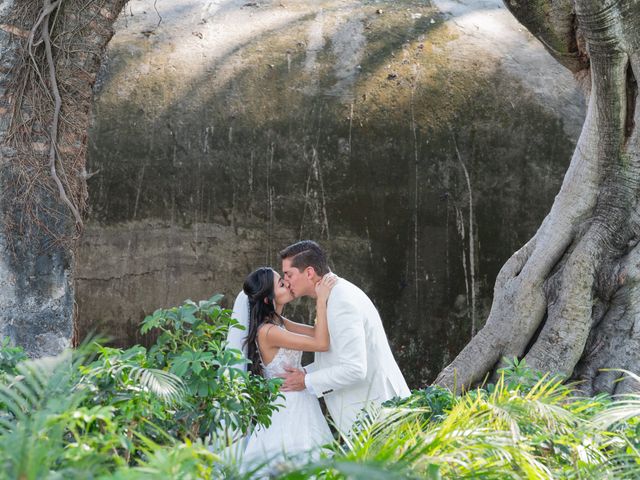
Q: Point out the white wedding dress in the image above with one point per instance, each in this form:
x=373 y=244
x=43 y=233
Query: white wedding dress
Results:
x=298 y=428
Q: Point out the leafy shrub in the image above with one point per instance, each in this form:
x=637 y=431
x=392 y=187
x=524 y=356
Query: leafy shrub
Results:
x=434 y=402
x=540 y=430
x=141 y=399
x=517 y=374
x=125 y=414
x=37 y=404
x=10 y=356
x=101 y=409
x=220 y=398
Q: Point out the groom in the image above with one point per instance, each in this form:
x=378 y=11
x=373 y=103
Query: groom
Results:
x=359 y=367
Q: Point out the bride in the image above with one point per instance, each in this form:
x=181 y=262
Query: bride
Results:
x=273 y=343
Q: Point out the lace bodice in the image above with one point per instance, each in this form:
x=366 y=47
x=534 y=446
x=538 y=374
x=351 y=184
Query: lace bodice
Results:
x=284 y=357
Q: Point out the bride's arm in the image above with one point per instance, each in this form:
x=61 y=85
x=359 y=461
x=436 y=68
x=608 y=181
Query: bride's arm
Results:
x=319 y=342
x=300 y=328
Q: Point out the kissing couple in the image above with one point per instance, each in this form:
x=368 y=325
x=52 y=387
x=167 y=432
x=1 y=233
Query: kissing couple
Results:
x=353 y=366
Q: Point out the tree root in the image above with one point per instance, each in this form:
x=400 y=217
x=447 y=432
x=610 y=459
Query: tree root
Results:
x=520 y=302
x=43 y=21
x=562 y=302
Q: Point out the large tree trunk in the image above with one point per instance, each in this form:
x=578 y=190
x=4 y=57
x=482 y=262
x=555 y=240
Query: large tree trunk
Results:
x=568 y=301
x=50 y=54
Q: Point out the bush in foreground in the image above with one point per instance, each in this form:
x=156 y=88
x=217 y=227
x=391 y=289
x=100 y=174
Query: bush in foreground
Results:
x=166 y=412
x=98 y=410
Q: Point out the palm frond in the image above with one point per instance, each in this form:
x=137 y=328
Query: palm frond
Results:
x=165 y=385
x=624 y=407
x=619 y=411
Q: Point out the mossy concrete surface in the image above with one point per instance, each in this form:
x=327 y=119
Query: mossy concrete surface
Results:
x=225 y=130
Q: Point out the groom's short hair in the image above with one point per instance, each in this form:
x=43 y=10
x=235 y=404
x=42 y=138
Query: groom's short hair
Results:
x=307 y=253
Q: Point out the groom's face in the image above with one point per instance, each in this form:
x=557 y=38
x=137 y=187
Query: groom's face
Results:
x=297 y=281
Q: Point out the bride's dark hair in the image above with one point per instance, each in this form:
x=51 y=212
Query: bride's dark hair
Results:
x=259 y=288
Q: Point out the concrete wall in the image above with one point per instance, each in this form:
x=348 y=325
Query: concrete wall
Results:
x=225 y=130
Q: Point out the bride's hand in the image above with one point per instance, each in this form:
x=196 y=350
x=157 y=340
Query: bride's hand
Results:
x=324 y=286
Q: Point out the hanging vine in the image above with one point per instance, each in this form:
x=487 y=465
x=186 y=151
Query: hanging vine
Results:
x=61 y=44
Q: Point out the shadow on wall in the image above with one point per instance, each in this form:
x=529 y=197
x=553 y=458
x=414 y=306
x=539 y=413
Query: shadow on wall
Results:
x=340 y=126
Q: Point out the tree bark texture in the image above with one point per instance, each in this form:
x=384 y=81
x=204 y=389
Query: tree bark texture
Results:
x=50 y=53
x=568 y=301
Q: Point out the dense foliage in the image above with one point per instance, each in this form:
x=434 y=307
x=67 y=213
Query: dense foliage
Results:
x=169 y=412
x=98 y=408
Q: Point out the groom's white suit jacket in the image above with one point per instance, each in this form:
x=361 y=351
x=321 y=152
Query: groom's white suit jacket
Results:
x=359 y=367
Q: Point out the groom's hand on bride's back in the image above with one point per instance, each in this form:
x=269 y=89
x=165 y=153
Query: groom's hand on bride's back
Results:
x=293 y=380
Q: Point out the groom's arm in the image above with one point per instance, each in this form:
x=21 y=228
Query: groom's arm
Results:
x=348 y=343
